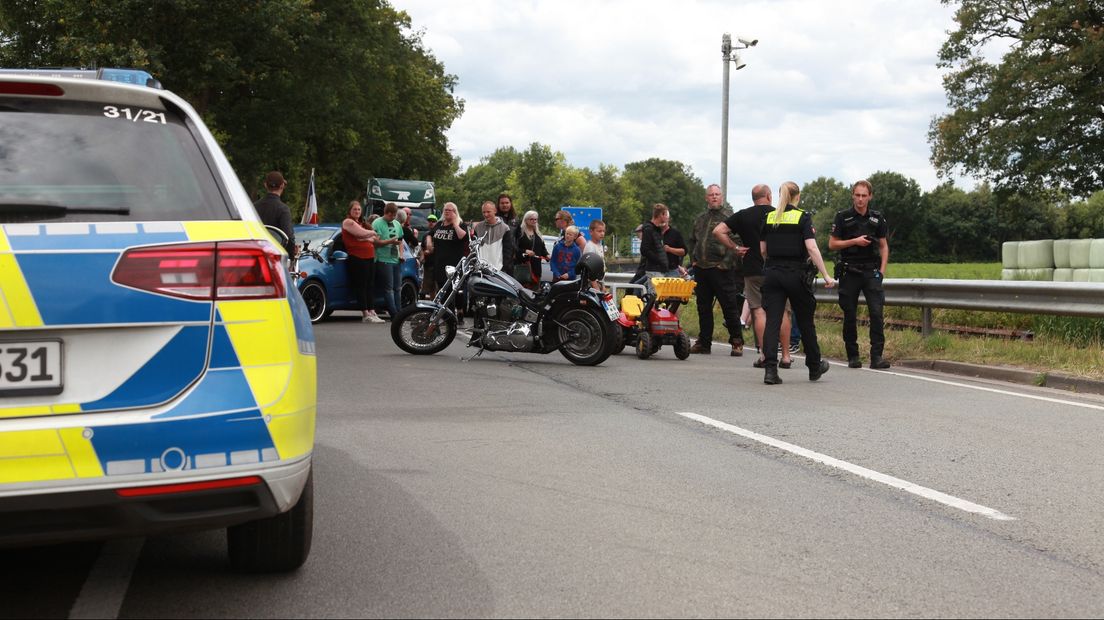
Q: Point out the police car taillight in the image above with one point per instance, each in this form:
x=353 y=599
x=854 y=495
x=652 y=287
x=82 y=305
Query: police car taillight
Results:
x=204 y=271
x=36 y=89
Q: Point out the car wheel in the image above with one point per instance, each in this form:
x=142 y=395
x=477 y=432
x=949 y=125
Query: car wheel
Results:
x=409 y=293
x=276 y=544
x=314 y=295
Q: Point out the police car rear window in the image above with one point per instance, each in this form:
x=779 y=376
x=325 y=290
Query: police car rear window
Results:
x=80 y=161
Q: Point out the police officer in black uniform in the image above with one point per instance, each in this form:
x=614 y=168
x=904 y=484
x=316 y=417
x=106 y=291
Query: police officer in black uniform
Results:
x=859 y=234
x=787 y=244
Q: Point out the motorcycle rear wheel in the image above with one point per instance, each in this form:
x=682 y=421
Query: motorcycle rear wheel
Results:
x=584 y=336
x=413 y=332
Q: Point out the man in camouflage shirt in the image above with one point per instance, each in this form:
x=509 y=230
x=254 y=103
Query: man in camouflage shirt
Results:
x=717 y=272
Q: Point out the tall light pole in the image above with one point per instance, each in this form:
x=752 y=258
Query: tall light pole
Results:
x=729 y=56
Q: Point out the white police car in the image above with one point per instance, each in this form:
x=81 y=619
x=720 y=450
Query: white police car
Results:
x=157 y=371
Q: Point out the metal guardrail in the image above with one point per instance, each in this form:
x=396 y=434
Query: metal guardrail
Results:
x=1060 y=298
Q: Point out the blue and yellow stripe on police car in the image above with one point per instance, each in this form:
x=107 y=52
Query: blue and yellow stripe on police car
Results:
x=280 y=375
x=17 y=305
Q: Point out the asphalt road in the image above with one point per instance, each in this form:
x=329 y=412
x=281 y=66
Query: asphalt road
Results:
x=521 y=485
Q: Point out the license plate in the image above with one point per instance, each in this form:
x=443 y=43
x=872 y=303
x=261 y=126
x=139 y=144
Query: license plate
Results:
x=611 y=310
x=30 y=368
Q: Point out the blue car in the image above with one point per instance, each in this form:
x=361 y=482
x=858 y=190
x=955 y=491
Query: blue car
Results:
x=323 y=282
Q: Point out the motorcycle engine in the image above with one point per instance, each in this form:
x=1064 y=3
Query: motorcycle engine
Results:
x=505 y=324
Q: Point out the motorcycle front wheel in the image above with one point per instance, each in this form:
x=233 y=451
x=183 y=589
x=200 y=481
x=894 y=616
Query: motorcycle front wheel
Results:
x=413 y=329
x=584 y=337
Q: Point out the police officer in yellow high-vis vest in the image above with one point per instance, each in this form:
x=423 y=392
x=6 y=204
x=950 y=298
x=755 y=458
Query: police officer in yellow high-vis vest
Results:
x=788 y=244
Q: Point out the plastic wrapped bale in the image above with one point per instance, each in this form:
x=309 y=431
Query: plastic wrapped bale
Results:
x=1010 y=255
x=1010 y=274
x=1096 y=275
x=1079 y=253
x=1063 y=275
x=1036 y=254
x=1096 y=254
x=1081 y=275
x=1038 y=275
x=1062 y=253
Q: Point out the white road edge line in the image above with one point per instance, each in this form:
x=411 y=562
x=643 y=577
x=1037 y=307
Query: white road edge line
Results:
x=104 y=590
x=1047 y=399
x=897 y=483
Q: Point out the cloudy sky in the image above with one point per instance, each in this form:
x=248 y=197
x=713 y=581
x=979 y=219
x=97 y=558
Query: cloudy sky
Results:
x=840 y=89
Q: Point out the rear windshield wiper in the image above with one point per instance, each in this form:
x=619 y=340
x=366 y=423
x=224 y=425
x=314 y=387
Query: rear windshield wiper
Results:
x=29 y=210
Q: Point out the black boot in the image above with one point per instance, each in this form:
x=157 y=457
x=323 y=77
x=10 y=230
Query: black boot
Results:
x=854 y=362
x=770 y=377
x=878 y=363
x=818 y=371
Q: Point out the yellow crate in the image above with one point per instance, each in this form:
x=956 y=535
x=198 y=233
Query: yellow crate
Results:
x=674 y=288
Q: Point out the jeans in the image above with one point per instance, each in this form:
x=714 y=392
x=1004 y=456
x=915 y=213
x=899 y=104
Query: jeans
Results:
x=389 y=284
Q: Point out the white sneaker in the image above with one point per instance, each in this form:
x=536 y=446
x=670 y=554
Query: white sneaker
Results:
x=372 y=317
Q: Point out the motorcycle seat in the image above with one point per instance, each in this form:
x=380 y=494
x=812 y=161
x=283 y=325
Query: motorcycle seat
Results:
x=562 y=285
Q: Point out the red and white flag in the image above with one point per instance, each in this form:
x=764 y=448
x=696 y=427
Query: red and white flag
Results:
x=310 y=213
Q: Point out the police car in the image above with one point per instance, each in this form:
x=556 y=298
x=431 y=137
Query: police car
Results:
x=157 y=371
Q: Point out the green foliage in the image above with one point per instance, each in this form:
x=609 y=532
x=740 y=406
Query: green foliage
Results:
x=897 y=197
x=668 y=182
x=824 y=197
x=937 y=342
x=1032 y=120
x=1083 y=220
x=343 y=87
x=1071 y=329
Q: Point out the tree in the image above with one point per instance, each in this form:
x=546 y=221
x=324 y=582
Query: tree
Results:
x=1084 y=219
x=1033 y=120
x=958 y=227
x=823 y=198
x=343 y=87
x=671 y=183
x=897 y=197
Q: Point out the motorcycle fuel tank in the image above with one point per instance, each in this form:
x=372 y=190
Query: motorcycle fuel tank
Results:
x=493 y=285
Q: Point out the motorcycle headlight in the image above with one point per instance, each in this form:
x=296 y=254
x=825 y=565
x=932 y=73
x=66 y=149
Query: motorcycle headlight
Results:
x=450 y=270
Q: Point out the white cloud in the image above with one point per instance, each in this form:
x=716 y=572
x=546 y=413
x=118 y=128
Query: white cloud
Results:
x=833 y=89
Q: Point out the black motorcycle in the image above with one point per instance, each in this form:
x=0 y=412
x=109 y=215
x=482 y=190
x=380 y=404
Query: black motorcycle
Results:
x=566 y=316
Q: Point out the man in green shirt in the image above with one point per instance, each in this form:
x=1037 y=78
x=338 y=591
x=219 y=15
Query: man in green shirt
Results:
x=388 y=262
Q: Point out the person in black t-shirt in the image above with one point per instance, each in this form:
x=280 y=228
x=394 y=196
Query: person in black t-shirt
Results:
x=675 y=247
x=746 y=224
x=447 y=242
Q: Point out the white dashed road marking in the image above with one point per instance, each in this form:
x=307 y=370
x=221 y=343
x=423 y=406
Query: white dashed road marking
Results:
x=105 y=589
x=869 y=474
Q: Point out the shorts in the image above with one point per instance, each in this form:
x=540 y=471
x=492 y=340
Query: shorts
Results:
x=753 y=291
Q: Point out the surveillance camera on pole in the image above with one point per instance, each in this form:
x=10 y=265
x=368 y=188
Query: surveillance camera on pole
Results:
x=729 y=56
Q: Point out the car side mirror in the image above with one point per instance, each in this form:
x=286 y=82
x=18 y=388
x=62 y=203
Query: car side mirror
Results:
x=339 y=255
